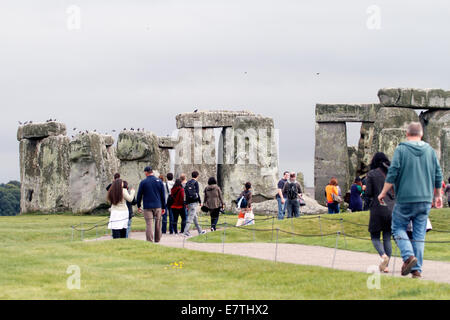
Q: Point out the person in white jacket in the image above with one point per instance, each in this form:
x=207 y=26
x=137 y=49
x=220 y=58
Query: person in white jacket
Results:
x=118 y=221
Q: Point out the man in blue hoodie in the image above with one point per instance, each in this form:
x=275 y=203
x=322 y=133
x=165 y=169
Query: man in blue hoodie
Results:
x=416 y=176
x=151 y=190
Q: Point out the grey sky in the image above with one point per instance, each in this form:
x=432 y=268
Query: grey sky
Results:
x=139 y=63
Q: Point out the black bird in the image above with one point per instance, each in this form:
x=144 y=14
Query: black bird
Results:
x=114 y=131
x=195 y=110
x=31 y=121
x=317 y=73
x=138 y=129
x=124 y=129
x=132 y=129
x=74 y=129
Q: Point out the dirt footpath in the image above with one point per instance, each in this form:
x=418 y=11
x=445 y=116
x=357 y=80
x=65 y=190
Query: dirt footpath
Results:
x=304 y=255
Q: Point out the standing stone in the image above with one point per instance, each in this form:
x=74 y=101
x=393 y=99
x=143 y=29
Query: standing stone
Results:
x=436 y=125
x=137 y=150
x=44 y=173
x=390 y=129
x=196 y=151
x=250 y=154
x=331 y=158
x=352 y=164
x=365 y=148
x=92 y=167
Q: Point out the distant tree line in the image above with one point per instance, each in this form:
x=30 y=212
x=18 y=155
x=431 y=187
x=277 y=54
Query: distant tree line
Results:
x=10 y=198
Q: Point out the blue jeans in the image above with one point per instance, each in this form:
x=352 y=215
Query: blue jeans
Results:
x=293 y=208
x=333 y=207
x=129 y=228
x=281 y=209
x=402 y=214
x=169 y=213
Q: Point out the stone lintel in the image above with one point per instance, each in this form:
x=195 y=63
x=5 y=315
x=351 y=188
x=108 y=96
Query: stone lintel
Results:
x=415 y=98
x=346 y=112
x=209 y=119
x=41 y=130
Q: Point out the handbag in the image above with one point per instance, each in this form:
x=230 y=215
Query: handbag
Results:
x=204 y=209
x=249 y=218
x=301 y=201
x=336 y=198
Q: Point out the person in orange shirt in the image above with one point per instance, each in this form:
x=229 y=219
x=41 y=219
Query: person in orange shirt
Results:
x=331 y=188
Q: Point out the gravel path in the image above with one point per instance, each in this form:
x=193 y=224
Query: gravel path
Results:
x=304 y=255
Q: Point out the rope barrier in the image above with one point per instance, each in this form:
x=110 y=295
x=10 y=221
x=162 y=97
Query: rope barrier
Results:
x=249 y=223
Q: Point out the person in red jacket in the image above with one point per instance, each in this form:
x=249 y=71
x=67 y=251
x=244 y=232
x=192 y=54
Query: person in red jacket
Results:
x=178 y=209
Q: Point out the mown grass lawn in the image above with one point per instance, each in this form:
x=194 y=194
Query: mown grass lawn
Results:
x=37 y=250
x=355 y=225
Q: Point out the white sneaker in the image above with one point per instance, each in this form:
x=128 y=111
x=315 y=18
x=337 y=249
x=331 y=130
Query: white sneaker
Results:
x=203 y=232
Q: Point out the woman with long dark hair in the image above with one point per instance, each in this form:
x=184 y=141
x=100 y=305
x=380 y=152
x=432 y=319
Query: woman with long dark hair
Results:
x=118 y=196
x=380 y=214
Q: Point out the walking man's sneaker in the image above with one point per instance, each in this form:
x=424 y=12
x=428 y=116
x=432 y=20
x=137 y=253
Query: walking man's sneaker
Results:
x=408 y=265
x=203 y=232
x=416 y=274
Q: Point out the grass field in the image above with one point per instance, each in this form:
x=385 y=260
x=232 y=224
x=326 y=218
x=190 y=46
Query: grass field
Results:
x=37 y=250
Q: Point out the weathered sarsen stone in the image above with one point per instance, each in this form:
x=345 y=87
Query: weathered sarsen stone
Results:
x=250 y=154
x=136 y=150
x=270 y=207
x=196 y=151
x=331 y=158
x=92 y=167
x=209 y=119
x=44 y=169
x=415 y=98
x=436 y=124
x=41 y=130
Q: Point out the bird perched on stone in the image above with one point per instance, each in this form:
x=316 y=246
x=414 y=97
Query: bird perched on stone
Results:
x=132 y=129
x=114 y=131
x=74 y=129
x=196 y=110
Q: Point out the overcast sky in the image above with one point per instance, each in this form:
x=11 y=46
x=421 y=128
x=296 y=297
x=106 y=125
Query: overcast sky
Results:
x=140 y=63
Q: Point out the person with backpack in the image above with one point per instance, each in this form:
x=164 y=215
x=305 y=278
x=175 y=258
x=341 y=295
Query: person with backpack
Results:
x=213 y=200
x=168 y=185
x=293 y=191
x=244 y=205
x=192 y=193
x=175 y=202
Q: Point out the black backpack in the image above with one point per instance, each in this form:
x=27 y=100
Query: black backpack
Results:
x=292 y=191
x=191 y=192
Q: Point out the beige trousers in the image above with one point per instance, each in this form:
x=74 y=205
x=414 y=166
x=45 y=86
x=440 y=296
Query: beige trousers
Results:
x=149 y=215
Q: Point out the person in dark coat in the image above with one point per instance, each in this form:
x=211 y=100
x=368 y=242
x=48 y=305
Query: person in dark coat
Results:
x=213 y=200
x=380 y=215
x=356 y=203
